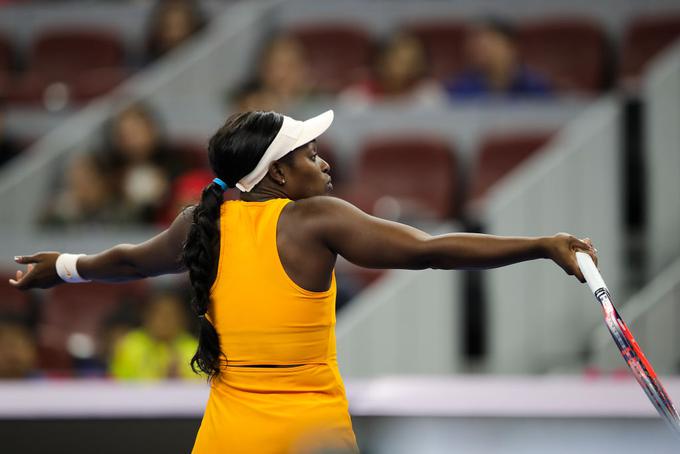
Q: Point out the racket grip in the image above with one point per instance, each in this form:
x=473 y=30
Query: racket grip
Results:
x=590 y=272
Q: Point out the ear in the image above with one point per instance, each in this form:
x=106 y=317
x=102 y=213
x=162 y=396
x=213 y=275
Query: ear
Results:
x=277 y=172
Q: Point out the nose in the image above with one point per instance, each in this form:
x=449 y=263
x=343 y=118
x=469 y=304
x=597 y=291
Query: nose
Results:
x=325 y=167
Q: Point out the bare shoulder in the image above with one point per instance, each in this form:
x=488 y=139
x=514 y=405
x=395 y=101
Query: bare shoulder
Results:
x=320 y=216
x=321 y=206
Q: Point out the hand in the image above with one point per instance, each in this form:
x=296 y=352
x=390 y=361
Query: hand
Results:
x=41 y=272
x=562 y=249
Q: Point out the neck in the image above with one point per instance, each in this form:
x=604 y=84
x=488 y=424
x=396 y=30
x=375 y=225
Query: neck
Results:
x=501 y=74
x=263 y=192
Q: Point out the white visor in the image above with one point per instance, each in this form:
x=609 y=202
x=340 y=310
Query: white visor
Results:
x=293 y=134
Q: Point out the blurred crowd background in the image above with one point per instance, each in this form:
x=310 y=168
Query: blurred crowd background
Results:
x=139 y=172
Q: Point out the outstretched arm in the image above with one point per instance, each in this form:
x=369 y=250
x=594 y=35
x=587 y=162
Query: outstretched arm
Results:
x=161 y=254
x=376 y=243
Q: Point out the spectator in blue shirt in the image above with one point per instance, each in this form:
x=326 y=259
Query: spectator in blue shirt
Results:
x=494 y=68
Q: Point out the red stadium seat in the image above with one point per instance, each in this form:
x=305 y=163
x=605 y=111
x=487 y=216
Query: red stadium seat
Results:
x=571 y=52
x=415 y=175
x=5 y=54
x=93 y=83
x=5 y=84
x=28 y=88
x=64 y=52
x=499 y=154
x=443 y=42
x=80 y=309
x=643 y=39
x=6 y=63
x=88 y=62
x=338 y=54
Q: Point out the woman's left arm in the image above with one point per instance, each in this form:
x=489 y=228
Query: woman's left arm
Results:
x=161 y=254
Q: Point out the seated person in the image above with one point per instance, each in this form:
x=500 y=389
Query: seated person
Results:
x=400 y=72
x=141 y=162
x=87 y=196
x=18 y=350
x=161 y=348
x=282 y=80
x=171 y=23
x=494 y=67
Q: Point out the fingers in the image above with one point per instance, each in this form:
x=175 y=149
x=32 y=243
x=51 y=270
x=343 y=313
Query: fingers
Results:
x=27 y=258
x=577 y=271
x=20 y=282
x=592 y=251
x=583 y=245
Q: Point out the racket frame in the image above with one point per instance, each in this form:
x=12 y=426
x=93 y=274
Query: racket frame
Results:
x=630 y=350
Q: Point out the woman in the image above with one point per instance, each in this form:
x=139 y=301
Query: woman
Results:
x=262 y=269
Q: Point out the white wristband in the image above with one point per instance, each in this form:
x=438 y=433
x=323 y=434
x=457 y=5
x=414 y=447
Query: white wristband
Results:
x=66 y=268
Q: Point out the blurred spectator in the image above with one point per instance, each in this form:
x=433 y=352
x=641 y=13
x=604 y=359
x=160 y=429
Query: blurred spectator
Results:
x=282 y=79
x=494 y=67
x=114 y=328
x=141 y=162
x=88 y=196
x=18 y=350
x=161 y=348
x=171 y=23
x=8 y=148
x=400 y=72
x=250 y=97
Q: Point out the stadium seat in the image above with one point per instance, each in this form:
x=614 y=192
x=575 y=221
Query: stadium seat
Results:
x=406 y=176
x=88 y=62
x=27 y=88
x=338 y=54
x=644 y=38
x=443 y=42
x=5 y=54
x=571 y=52
x=82 y=309
x=93 y=83
x=498 y=155
x=67 y=51
x=5 y=66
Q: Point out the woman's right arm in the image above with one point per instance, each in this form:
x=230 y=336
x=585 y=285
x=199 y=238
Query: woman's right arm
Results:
x=161 y=254
x=376 y=243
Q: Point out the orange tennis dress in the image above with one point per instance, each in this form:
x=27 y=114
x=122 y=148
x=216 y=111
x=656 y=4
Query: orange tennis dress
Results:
x=263 y=317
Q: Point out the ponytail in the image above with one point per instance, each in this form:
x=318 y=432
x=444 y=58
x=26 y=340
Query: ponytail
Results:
x=201 y=260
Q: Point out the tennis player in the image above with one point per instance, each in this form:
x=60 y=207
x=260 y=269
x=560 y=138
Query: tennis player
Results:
x=262 y=270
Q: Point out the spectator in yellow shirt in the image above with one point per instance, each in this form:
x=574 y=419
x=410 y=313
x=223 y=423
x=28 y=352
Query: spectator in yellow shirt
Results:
x=161 y=348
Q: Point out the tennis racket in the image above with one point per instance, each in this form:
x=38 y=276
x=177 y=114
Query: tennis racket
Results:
x=630 y=350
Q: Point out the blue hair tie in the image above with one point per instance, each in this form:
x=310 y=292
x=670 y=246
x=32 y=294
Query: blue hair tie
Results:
x=222 y=184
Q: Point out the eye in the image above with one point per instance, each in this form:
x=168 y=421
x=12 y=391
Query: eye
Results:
x=314 y=157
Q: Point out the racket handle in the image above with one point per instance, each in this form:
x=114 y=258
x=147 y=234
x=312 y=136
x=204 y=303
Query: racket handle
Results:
x=590 y=272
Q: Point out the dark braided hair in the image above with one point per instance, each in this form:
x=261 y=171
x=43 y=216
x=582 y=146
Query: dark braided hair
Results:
x=233 y=152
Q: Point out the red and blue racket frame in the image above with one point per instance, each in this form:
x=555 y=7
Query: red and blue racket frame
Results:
x=628 y=346
x=637 y=361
